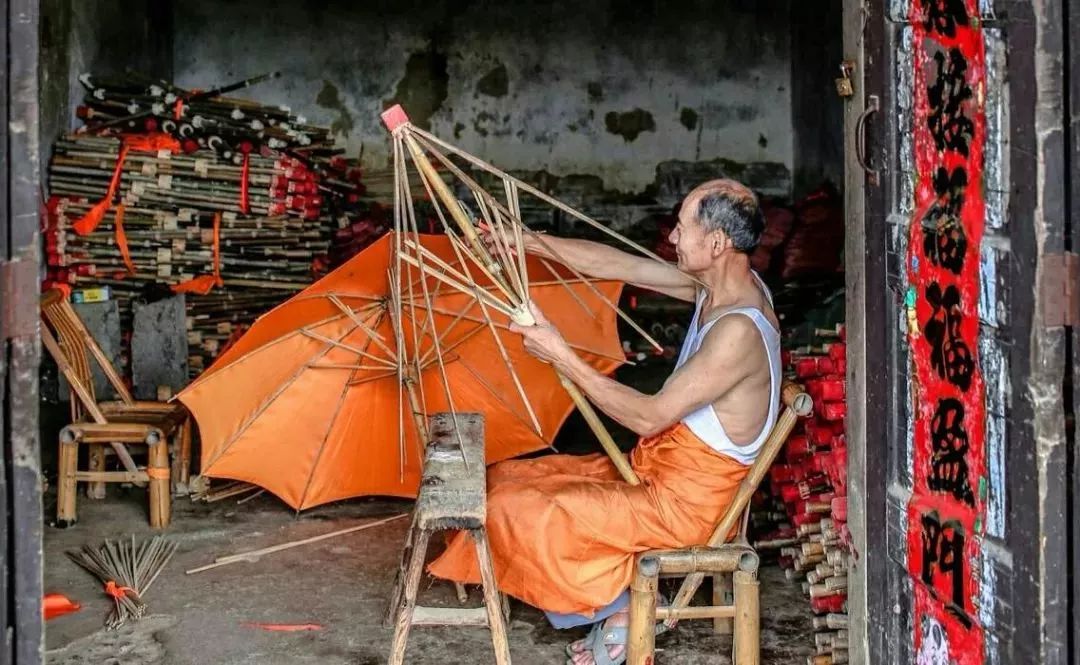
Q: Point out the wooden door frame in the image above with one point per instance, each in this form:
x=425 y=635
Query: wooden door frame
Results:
x=21 y=631
x=866 y=325
x=1042 y=151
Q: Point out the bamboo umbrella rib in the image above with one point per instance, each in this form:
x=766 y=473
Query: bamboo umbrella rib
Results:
x=487 y=386
x=425 y=253
x=573 y=293
x=435 y=338
x=425 y=136
x=369 y=368
x=633 y=324
x=393 y=273
x=402 y=179
x=502 y=258
x=515 y=210
x=369 y=379
x=265 y=404
x=345 y=387
x=496 y=205
x=509 y=365
x=428 y=358
x=445 y=333
x=285 y=337
x=490 y=300
x=503 y=326
x=503 y=249
x=452 y=236
x=395 y=316
x=507 y=290
x=347 y=347
x=372 y=334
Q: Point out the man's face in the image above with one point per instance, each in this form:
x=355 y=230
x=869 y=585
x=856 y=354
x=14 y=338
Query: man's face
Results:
x=695 y=247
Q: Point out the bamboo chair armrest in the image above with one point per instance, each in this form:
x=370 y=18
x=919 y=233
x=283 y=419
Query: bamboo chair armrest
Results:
x=141 y=405
x=112 y=432
x=726 y=558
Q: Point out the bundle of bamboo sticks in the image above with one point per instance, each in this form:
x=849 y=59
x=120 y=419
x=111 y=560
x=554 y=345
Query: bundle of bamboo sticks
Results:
x=173 y=218
x=804 y=517
x=161 y=175
x=200 y=119
x=165 y=186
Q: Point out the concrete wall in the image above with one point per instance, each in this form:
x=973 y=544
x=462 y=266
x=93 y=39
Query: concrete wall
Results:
x=103 y=38
x=606 y=90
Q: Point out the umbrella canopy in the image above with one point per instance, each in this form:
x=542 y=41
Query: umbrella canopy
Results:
x=309 y=404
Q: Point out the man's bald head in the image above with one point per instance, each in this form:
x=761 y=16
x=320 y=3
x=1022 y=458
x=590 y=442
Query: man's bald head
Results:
x=729 y=206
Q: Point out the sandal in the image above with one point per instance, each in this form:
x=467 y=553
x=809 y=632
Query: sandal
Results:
x=611 y=637
x=590 y=639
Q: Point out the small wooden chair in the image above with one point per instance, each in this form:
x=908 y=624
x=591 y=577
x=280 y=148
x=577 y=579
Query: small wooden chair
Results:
x=732 y=565
x=453 y=496
x=115 y=423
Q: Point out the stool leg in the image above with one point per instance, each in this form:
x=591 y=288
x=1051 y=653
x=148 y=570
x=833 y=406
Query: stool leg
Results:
x=404 y=613
x=722 y=595
x=66 y=489
x=747 y=645
x=641 y=635
x=96 y=489
x=492 y=600
x=157 y=468
x=401 y=575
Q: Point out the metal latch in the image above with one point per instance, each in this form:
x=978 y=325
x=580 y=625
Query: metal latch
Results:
x=844 y=87
x=18 y=293
x=1060 y=289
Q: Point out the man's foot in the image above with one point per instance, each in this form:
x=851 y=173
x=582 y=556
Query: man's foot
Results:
x=582 y=651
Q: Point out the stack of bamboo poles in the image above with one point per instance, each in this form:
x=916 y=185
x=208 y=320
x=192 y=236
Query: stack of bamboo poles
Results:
x=173 y=218
x=208 y=119
x=162 y=176
x=804 y=517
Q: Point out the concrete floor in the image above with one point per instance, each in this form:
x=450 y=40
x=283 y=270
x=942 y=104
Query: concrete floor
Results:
x=341 y=584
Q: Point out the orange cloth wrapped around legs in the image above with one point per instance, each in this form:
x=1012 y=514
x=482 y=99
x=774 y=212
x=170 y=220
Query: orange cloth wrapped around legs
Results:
x=564 y=529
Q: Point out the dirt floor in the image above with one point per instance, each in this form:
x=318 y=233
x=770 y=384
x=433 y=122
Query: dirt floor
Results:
x=341 y=585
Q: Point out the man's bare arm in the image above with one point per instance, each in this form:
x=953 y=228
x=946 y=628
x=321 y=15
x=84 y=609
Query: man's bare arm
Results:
x=727 y=356
x=596 y=259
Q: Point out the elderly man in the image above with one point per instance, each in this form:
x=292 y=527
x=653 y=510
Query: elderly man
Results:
x=564 y=529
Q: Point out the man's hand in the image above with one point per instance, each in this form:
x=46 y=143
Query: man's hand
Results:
x=487 y=234
x=542 y=339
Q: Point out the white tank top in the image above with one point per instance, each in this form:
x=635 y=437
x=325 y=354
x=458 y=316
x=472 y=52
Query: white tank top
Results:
x=703 y=422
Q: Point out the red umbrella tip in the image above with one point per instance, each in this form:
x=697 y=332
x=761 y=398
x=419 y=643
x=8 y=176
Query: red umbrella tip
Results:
x=394 y=117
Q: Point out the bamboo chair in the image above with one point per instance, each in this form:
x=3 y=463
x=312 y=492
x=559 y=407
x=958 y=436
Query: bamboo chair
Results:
x=732 y=565
x=113 y=423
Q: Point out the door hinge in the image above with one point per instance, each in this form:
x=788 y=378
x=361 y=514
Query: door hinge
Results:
x=1060 y=289
x=18 y=299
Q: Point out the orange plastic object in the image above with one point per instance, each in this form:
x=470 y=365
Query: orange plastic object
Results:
x=307 y=403
x=57 y=604
x=284 y=627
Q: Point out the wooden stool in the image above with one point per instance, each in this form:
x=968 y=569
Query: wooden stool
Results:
x=453 y=495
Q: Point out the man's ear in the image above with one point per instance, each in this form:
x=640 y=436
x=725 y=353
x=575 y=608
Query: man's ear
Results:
x=720 y=243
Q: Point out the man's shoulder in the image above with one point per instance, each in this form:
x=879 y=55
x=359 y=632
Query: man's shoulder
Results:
x=731 y=332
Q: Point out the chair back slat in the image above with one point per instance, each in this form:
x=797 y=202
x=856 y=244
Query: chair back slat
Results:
x=78 y=345
x=796 y=404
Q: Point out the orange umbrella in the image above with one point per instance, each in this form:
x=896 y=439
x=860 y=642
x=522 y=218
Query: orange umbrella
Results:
x=308 y=403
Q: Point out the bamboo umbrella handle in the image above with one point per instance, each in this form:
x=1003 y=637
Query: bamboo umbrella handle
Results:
x=599 y=430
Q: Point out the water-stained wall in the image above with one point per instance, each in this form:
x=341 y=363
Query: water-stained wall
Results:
x=612 y=90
